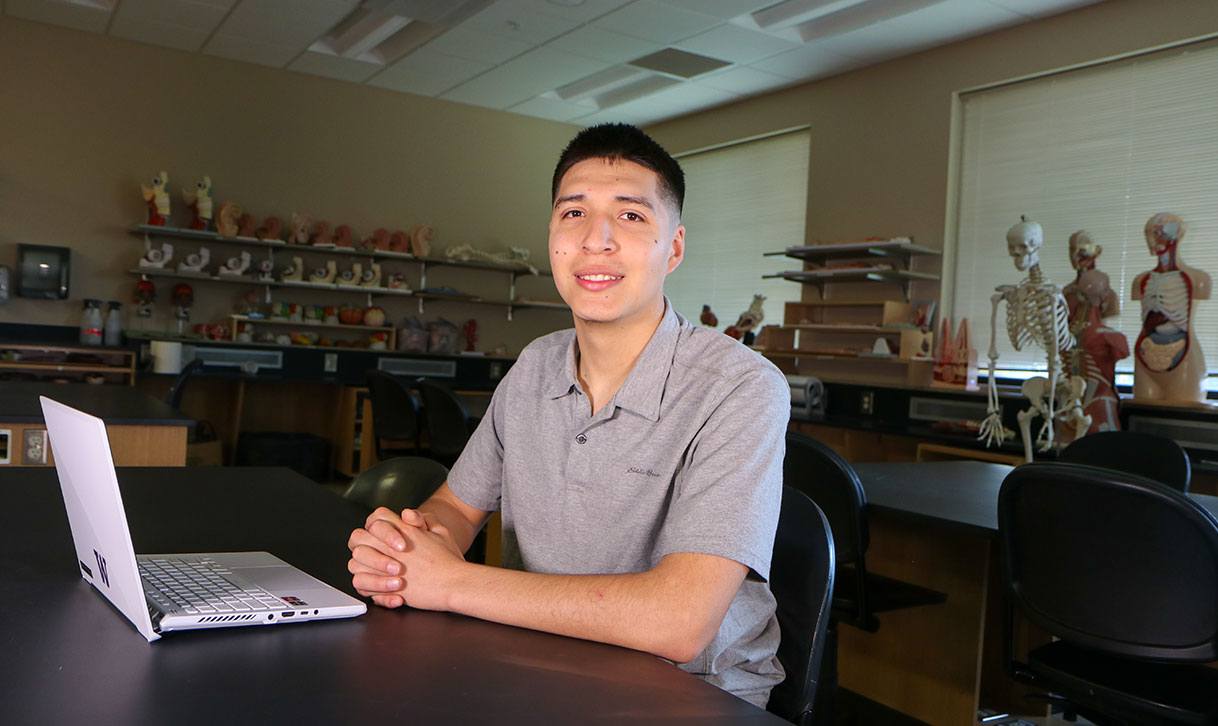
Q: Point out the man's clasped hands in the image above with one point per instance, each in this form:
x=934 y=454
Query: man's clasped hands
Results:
x=408 y=559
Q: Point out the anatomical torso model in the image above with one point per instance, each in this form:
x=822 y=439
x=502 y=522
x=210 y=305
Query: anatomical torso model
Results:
x=1168 y=363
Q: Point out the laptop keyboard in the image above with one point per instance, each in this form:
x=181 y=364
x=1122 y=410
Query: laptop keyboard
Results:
x=201 y=586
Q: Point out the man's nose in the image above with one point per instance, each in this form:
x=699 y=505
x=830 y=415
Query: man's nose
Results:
x=600 y=236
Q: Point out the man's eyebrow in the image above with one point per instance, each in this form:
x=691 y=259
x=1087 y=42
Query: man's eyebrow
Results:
x=641 y=201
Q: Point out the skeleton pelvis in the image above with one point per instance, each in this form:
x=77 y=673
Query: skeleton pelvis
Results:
x=1162 y=355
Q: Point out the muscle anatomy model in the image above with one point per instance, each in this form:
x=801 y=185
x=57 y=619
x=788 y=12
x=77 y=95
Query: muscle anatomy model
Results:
x=1098 y=347
x=1036 y=313
x=1168 y=363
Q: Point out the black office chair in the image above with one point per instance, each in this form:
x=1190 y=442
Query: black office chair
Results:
x=858 y=595
x=801 y=578
x=397 y=483
x=174 y=397
x=448 y=423
x=1154 y=457
x=395 y=414
x=1124 y=571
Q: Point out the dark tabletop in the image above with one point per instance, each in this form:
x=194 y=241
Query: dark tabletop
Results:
x=69 y=657
x=961 y=495
x=116 y=405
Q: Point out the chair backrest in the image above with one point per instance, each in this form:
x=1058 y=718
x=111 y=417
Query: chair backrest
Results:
x=395 y=414
x=174 y=397
x=801 y=578
x=402 y=482
x=1111 y=561
x=447 y=419
x=1154 y=457
x=828 y=479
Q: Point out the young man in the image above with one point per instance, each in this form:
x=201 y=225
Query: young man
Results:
x=636 y=460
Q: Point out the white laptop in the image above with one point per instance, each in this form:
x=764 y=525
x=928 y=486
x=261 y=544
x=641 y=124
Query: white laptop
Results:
x=159 y=593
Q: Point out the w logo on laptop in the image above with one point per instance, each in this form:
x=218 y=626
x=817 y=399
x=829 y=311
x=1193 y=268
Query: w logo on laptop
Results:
x=101 y=568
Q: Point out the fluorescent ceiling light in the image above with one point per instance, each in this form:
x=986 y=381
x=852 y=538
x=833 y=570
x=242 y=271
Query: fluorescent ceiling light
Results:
x=362 y=31
x=611 y=87
x=376 y=36
x=854 y=17
x=791 y=10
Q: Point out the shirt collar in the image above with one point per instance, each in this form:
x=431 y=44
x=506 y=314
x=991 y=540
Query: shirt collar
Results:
x=643 y=389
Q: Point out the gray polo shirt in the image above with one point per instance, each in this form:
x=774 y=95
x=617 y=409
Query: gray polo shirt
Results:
x=686 y=457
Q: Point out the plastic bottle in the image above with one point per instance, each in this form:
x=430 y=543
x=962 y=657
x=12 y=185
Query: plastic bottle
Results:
x=114 y=324
x=91 y=323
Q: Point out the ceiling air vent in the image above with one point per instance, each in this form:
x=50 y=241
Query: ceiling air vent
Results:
x=680 y=63
x=247 y=359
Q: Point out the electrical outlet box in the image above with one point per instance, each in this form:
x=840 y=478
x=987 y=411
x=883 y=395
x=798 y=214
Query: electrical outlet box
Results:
x=330 y=363
x=867 y=402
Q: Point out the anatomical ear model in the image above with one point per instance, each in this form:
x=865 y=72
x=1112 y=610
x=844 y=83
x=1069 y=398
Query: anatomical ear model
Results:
x=1168 y=363
x=1036 y=313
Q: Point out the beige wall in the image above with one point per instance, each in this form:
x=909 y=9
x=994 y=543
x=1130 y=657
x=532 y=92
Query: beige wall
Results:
x=87 y=118
x=880 y=135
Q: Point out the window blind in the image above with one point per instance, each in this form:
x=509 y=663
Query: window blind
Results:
x=1103 y=149
x=740 y=201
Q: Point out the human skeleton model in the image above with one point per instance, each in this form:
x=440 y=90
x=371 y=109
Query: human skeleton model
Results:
x=514 y=257
x=1168 y=363
x=1098 y=347
x=1036 y=313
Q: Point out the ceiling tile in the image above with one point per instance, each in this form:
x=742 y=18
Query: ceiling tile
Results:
x=182 y=13
x=474 y=44
x=736 y=44
x=654 y=21
x=240 y=49
x=518 y=80
x=428 y=73
x=618 y=115
x=806 y=63
x=77 y=17
x=604 y=45
x=156 y=33
x=512 y=21
x=725 y=9
x=743 y=80
x=333 y=66
x=180 y=24
x=550 y=109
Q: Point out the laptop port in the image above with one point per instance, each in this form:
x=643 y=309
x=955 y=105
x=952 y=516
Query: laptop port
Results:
x=288 y=614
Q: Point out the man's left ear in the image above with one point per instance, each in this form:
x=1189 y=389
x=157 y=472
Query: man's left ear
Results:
x=678 y=248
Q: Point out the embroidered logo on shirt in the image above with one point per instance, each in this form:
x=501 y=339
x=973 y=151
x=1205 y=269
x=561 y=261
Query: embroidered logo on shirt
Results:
x=637 y=470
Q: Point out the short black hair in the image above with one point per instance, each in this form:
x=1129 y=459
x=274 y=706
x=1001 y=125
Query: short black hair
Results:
x=614 y=142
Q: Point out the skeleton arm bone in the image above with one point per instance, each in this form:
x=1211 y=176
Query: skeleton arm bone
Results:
x=991 y=428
